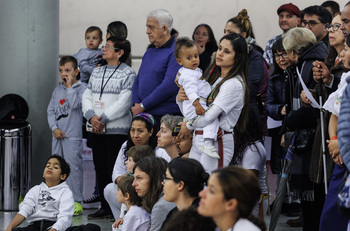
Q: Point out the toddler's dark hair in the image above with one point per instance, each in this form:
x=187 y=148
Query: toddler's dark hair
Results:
x=183 y=42
x=125 y=186
x=94 y=28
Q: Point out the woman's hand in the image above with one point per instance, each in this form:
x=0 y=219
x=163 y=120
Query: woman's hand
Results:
x=97 y=126
x=181 y=95
x=184 y=132
x=333 y=148
x=283 y=110
x=304 y=98
x=282 y=141
x=200 y=48
x=136 y=109
x=320 y=71
x=338 y=160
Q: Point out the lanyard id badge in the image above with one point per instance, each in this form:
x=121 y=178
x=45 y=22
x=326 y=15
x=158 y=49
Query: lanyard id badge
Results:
x=98 y=104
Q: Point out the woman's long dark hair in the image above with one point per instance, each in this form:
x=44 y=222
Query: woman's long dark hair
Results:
x=240 y=67
x=155 y=168
x=211 y=45
x=250 y=136
x=152 y=142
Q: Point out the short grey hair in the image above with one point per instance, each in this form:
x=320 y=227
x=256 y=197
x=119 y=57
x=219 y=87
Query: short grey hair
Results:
x=170 y=121
x=299 y=40
x=163 y=17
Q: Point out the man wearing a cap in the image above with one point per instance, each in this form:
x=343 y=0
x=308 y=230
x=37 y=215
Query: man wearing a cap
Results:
x=289 y=17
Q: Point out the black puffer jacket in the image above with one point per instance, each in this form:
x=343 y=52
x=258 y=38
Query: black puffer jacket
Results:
x=275 y=98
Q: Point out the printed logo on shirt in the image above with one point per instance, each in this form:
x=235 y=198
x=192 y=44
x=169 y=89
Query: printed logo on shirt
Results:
x=62 y=109
x=44 y=197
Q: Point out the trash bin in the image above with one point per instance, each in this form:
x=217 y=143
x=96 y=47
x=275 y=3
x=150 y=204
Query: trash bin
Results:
x=15 y=151
x=15 y=164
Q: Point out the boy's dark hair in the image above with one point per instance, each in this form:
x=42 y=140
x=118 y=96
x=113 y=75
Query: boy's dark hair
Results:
x=68 y=59
x=333 y=5
x=94 y=28
x=121 y=44
x=183 y=42
x=322 y=13
x=125 y=186
x=65 y=168
x=139 y=152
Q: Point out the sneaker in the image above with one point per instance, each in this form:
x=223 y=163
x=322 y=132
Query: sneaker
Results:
x=93 y=199
x=78 y=209
x=100 y=214
x=210 y=151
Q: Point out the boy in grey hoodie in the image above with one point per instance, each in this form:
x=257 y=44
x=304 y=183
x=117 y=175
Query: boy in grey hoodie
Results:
x=50 y=205
x=65 y=119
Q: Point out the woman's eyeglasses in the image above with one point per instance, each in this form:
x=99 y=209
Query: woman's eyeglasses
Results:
x=110 y=48
x=283 y=55
x=335 y=27
x=166 y=178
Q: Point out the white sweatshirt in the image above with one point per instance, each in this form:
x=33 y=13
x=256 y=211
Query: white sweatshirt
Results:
x=54 y=204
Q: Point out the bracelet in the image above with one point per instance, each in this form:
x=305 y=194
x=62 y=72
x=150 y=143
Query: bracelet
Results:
x=334 y=138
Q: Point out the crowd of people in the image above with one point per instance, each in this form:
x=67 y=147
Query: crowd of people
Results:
x=180 y=144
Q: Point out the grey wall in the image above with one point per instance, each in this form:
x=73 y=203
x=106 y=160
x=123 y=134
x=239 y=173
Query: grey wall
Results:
x=28 y=64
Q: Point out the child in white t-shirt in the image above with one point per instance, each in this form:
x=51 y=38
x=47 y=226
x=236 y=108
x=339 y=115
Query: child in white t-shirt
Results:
x=197 y=90
x=137 y=218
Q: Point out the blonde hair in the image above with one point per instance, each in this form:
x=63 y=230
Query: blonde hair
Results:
x=299 y=40
x=243 y=23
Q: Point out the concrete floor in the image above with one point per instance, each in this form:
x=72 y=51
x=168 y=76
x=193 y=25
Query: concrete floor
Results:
x=89 y=182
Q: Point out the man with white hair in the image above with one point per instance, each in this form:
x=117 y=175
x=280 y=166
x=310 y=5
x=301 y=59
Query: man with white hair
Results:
x=154 y=89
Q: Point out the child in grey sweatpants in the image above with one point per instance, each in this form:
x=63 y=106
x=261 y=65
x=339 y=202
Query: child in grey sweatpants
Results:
x=65 y=119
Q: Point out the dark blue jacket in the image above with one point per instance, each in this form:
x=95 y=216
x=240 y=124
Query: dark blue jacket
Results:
x=275 y=99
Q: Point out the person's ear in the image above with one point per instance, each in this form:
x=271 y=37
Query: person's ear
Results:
x=181 y=186
x=151 y=132
x=165 y=29
x=76 y=72
x=231 y=205
x=244 y=34
x=127 y=196
x=178 y=60
x=63 y=177
x=101 y=40
x=120 y=53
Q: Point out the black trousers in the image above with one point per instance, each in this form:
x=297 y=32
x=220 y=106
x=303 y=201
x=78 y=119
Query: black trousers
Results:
x=37 y=226
x=105 y=150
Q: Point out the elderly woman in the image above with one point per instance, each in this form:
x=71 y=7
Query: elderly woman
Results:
x=230 y=197
x=106 y=106
x=167 y=137
x=183 y=181
x=302 y=49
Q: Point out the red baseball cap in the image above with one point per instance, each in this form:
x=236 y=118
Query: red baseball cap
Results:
x=290 y=8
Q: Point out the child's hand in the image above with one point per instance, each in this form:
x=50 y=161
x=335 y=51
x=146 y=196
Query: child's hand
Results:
x=118 y=222
x=69 y=81
x=199 y=109
x=58 y=134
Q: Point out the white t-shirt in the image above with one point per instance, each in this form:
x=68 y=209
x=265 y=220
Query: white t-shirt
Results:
x=255 y=158
x=137 y=219
x=230 y=100
x=244 y=225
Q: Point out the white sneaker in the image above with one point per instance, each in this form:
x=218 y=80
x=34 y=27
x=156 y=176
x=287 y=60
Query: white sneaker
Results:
x=210 y=151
